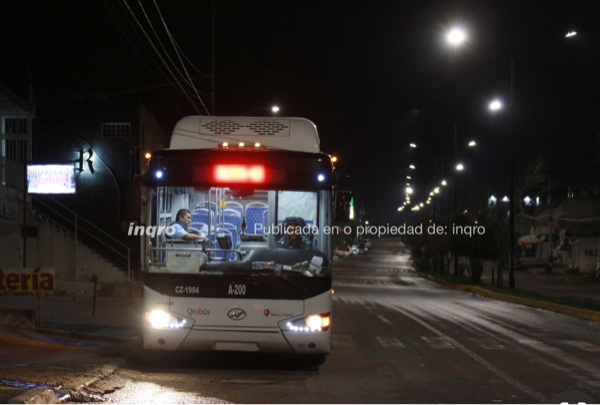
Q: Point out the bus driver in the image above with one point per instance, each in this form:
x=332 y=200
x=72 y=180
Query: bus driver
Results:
x=180 y=228
x=293 y=238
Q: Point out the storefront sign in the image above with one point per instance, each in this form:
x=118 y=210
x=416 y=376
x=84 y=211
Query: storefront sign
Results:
x=51 y=179
x=27 y=280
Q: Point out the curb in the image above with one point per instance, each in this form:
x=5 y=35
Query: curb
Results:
x=47 y=396
x=35 y=396
x=585 y=314
x=90 y=336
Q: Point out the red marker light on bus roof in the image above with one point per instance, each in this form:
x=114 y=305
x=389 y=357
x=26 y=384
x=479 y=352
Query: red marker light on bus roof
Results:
x=239 y=173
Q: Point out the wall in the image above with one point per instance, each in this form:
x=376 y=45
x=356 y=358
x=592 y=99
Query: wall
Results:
x=584 y=254
x=53 y=247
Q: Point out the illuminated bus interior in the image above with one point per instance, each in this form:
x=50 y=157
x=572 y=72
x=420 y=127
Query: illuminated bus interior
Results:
x=238 y=224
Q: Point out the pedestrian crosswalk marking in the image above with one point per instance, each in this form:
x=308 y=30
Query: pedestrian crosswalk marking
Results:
x=437 y=343
x=342 y=341
x=488 y=343
x=392 y=342
x=389 y=342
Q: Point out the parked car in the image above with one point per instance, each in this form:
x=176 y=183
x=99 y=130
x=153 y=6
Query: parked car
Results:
x=360 y=249
x=367 y=242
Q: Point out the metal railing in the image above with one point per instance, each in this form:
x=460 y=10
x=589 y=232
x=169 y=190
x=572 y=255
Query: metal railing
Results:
x=83 y=231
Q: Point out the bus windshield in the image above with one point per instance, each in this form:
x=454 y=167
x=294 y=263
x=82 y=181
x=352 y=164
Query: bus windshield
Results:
x=242 y=231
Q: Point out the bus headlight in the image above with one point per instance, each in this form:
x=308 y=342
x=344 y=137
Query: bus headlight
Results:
x=313 y=323
x=162 y=320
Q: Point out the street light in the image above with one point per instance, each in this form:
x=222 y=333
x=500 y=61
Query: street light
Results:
x=274 y=109
x=494 y=106
x=456 y=36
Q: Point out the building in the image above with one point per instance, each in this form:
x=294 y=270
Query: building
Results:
x=104 y=139
x=569 y=232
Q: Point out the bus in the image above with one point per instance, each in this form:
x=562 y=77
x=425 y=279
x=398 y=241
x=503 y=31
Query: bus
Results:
x=249 y=183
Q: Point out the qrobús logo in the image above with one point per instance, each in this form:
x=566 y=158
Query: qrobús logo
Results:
x=26 y=280
x=199 y=311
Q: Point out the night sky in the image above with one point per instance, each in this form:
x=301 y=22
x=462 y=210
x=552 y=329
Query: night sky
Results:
x=373 y=76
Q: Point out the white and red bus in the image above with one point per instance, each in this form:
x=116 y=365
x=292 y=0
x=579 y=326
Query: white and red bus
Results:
x=243 y=179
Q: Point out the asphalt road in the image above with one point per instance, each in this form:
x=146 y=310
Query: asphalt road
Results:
x=397 y=338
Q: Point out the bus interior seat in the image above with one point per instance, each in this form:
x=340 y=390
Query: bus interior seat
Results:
x=255 y=215
x=236 y=206
x=203 y=215
x=231 y=216
x=234 y=235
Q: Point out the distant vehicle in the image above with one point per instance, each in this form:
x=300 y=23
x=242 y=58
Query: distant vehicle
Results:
x=365 y=241
x=360 y=249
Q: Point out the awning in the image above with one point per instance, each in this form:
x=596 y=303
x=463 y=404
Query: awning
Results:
x=529 y=240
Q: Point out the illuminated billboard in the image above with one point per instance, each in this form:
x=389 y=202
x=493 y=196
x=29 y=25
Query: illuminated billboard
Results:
x=51 y=179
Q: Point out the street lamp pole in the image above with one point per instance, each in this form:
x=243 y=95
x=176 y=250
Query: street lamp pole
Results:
x=455 y=168
x=455 y=189
x=511 y=246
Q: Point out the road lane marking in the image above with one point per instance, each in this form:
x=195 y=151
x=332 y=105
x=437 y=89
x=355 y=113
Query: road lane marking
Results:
x=383 y=318
x=342 y=341
x=438 y=342
x=589 y=347
x=501 y=374
x=389 y=342
x=488 y=343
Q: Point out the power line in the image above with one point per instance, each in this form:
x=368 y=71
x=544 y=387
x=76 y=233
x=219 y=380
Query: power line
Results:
x=138 y=54
x=159 y=55
x=178 y=54
x=112 y=93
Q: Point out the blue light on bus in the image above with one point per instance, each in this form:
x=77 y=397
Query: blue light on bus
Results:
x=320 y=177
x=158 y=174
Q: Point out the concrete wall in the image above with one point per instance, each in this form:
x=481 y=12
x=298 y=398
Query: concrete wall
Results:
x=584 y=255
x=53 y=247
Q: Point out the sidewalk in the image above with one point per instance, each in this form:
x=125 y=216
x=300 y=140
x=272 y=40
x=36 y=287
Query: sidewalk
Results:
x=111 y=318
x=531 y=276
x=562 y=282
